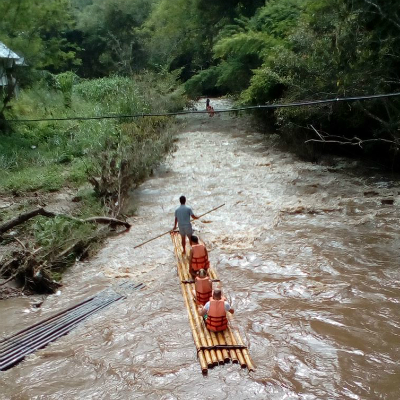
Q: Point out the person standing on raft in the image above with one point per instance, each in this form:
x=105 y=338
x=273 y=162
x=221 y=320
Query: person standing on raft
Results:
x=215 y=312
x=198 y=257
x=182 y=219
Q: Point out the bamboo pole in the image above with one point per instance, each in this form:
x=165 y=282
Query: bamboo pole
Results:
x=222 y=356
x=205 y=334
x=200 y=353
x=202 y=337
x=244 y=352
x=215 y=343
x=229 y=343
x=202 y=340
x=165 y=233
x=238 y=352
x=221 y=340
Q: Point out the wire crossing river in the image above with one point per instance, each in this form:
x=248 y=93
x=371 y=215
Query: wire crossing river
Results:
x=309 y=258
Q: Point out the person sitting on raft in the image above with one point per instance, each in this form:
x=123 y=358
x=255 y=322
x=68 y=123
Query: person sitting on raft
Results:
x=198 y=257
x=202 y=288
x=215 y=312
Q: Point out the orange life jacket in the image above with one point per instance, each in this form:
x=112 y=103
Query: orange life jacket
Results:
x=203 y=288
x=200 y=258
x=216 y=317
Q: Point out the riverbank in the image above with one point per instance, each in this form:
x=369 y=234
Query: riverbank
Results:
x=75 y=169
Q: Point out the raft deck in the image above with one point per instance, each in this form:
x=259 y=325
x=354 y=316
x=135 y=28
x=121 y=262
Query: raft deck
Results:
x=213 y=348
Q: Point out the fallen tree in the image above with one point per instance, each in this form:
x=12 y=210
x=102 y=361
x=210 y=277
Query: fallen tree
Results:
x=35 y=269
x=41 y=211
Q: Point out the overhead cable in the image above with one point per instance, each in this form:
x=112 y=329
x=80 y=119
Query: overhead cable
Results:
x=168 y=114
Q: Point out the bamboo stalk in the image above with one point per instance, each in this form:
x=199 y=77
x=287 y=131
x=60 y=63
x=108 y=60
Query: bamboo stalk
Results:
x=216 y=355
x=200 y=343
x=229 y=343
x=189 y=301
x=238 y=352
x=245 y=352
x=215 y=343
x=211 y=353
x=221 y=356
x=221 y=340
x=201 y=355
x=208 y=338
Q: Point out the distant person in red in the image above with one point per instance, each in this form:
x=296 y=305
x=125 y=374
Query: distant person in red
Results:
x=210 y=109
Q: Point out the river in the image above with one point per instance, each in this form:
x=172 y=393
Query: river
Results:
x=307 y=253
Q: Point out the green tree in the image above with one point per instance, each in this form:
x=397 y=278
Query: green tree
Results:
x=109 y=36
x=37 y=30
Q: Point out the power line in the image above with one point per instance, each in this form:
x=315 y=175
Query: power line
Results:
x=264 y=106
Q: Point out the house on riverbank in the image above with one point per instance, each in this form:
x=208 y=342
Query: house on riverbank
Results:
x=9 y=61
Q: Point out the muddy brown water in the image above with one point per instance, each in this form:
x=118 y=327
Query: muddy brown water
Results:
x=308 y=255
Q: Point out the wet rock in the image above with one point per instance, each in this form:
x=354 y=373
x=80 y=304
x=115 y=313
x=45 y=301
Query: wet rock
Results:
x=387 y=201
x=371 y=193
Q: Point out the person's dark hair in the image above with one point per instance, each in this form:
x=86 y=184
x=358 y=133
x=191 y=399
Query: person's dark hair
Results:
x=182 y=199
x=194 y=239
x=217 y=294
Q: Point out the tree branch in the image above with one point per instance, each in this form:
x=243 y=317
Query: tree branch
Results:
x=41 y=211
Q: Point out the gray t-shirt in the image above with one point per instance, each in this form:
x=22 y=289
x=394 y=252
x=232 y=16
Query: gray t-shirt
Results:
x=183 y=213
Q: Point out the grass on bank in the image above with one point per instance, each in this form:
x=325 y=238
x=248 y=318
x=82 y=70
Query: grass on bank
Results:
x=48 y=156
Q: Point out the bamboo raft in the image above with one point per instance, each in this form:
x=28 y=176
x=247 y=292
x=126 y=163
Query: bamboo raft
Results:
x=212 y=348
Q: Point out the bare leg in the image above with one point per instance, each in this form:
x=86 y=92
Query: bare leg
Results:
x=183 y=243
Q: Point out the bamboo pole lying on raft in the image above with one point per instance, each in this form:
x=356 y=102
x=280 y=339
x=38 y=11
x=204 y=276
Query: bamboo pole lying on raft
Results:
x=166 y=233
x=213 y=339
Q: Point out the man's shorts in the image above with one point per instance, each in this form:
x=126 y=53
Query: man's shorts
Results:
x=186 y=230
